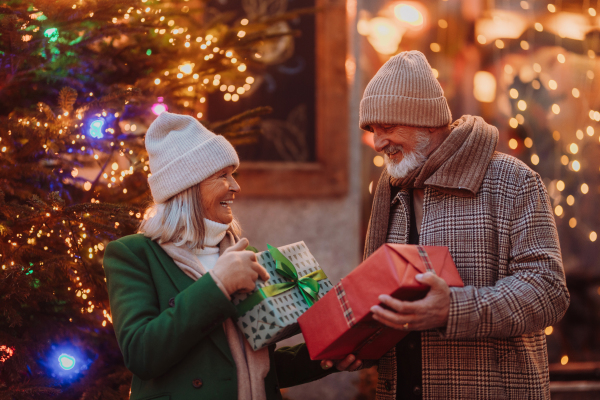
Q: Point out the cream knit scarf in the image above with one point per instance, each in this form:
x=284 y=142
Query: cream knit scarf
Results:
x=251 y=366
x=457 y=167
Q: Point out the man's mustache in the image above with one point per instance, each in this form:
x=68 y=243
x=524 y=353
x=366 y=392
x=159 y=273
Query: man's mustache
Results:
x=392 y=148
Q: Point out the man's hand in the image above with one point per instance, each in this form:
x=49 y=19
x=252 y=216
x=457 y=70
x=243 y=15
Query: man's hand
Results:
x=350 y=363
x=427 y=313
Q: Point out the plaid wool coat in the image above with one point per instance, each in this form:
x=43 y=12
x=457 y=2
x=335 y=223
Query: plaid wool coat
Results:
x=505 y=245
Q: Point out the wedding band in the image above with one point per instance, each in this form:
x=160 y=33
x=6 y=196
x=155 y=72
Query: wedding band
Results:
x=405 y=326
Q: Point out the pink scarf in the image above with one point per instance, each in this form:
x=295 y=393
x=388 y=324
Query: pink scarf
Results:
x=252 y=366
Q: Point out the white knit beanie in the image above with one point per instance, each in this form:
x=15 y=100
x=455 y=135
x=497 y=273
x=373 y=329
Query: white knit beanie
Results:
x=404 y=92
x=183 y=153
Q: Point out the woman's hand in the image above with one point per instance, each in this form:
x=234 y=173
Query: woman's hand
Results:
x=238 y=270
x=350 y=363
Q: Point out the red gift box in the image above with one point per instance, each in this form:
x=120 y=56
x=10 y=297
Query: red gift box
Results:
x=342 y=323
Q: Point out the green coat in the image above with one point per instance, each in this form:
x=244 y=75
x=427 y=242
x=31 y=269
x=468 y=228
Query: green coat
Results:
x=169 y=329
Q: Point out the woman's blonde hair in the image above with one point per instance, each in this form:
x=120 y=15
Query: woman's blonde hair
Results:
x=179 y=220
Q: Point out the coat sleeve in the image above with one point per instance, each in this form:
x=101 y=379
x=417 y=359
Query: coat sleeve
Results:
x=294 y=366
x=152 y=341
x=534 y=295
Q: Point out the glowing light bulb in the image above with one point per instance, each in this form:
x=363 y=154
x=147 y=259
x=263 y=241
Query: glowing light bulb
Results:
x=558 y=210
x=187 y=68
x=573 y=148
x=409 y=14
x=66 y=362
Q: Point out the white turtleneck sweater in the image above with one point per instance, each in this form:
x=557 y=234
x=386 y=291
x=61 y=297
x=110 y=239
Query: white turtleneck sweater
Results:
x=213 y=235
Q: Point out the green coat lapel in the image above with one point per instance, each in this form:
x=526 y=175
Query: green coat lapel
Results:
x=182 y=282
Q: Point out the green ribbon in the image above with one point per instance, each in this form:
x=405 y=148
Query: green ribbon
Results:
x=308 y=285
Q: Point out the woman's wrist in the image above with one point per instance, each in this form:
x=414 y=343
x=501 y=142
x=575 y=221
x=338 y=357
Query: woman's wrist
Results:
x=219 y=283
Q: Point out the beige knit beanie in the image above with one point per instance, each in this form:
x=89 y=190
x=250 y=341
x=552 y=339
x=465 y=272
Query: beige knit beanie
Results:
x=183 y=153
x=404 y=92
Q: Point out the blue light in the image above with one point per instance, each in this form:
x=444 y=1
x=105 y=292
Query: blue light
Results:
x=66 y=362
x=96 y=128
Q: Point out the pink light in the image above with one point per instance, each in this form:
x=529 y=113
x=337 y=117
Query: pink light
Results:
x=159 y=108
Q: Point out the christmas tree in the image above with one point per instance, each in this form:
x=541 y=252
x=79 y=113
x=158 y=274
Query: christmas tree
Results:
x=79 y=85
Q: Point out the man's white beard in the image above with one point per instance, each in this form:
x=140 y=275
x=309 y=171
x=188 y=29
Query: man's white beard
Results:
x=410 y=161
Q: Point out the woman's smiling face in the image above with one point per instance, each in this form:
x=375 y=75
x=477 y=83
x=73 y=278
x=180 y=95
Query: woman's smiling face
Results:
x=217 y=193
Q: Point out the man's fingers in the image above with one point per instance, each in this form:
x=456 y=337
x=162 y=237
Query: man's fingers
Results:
x=412 y=326
x=402 y=307
x=346 y=362
x=392 y=316
x=355 y=365
x=430 y=279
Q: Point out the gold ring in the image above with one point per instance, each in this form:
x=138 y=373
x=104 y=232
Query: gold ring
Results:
x=405 y=326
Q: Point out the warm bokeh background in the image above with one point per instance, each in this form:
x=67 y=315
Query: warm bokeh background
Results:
x=528 y=67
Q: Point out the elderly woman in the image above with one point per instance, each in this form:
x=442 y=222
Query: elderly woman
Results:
x=170 y=286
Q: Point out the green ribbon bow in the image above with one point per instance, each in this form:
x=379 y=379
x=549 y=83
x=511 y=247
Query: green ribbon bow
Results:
x=308 y=285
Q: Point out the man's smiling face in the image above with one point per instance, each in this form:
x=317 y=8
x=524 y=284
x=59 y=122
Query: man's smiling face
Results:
x=405 y=147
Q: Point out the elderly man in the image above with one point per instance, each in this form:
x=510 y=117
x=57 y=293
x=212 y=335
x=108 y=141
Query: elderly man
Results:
x=446 y=185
